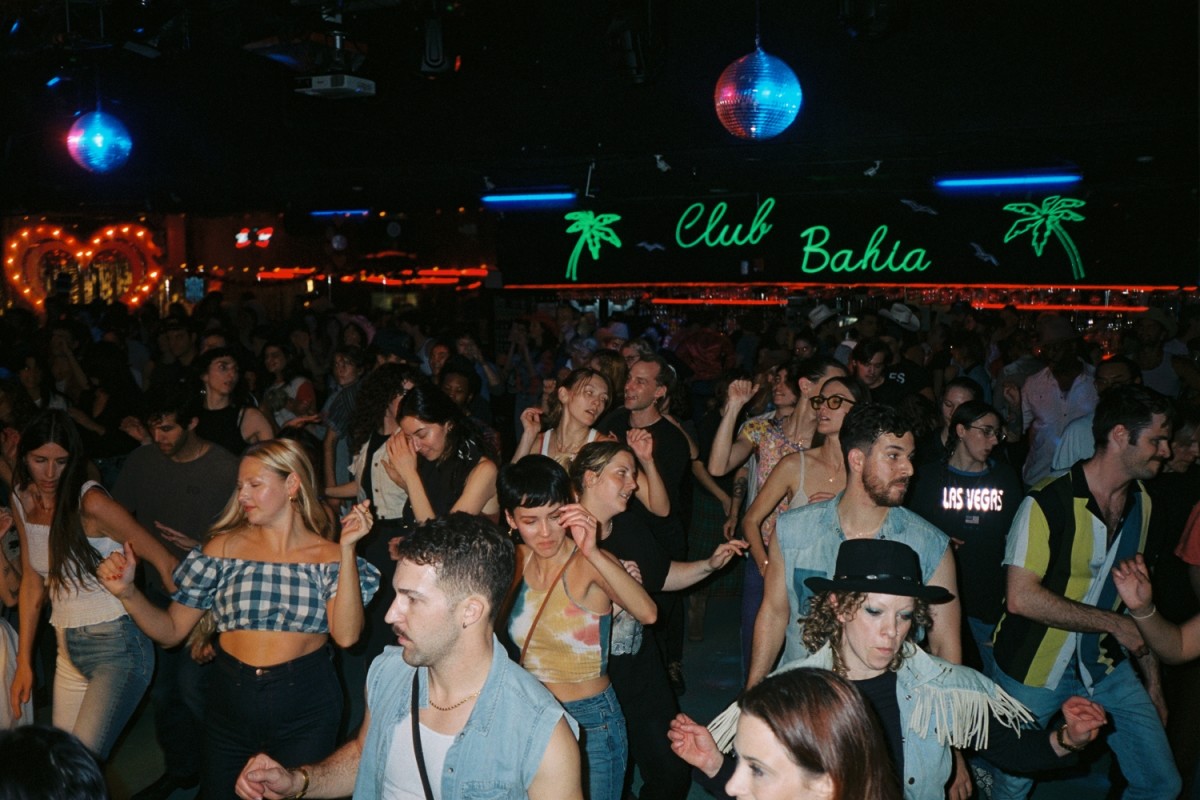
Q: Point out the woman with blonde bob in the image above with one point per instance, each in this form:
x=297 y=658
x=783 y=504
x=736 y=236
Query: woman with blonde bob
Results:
x=802 y=735
x=271 y=572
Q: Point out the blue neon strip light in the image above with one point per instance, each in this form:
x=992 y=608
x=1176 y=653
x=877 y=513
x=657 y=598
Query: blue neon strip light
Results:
x=538 y=197
x=1006 y=180
x=353 y=212
x=54 y=81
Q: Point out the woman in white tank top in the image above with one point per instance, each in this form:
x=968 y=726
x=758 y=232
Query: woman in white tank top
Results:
x=567 y=425
x=66 y=527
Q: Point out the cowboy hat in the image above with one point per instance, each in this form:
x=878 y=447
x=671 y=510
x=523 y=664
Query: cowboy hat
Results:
x=879 y=566
x=902 y=315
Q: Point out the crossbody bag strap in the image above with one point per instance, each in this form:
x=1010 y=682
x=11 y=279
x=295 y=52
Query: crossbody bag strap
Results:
x=542 y=607
x=416 y=734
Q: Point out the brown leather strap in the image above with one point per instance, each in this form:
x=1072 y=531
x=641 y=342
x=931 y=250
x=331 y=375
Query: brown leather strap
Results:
x=542 y=607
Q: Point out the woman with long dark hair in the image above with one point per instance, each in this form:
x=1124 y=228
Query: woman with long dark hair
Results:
x=67 y=525
x=440 y=458
x=287 y=392
x=280 y=589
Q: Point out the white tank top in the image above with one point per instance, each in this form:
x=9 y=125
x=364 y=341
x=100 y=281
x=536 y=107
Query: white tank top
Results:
x=71 y=605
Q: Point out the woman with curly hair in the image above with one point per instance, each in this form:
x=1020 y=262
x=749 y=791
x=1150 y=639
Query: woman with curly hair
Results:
x=281 y=585
x=862 y=624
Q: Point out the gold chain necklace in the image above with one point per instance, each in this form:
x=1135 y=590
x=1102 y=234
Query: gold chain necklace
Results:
x=471 y=696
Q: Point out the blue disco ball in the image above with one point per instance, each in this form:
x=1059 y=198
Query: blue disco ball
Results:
x=99 y=142
x=757 y=96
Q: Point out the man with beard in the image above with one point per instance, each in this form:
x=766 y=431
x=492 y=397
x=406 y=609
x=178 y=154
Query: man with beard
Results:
x=486 y=725
x=1066 y=630
x=878 y=446
x=175 y=485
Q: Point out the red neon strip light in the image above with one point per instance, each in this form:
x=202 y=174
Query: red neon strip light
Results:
x=1067 y=307
x=783 y=285
x=707 y=301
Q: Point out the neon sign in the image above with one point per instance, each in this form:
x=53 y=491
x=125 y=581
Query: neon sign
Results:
x=956 y=498
x=259 y=237
x=717 y=235
x=594 y=230
x=843 y=260
x=1041 y=221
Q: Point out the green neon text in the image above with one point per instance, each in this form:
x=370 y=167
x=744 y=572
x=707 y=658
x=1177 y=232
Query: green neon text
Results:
x=716 y=234
x=817 y=258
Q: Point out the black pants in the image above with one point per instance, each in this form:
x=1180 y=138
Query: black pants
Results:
x=649 y=705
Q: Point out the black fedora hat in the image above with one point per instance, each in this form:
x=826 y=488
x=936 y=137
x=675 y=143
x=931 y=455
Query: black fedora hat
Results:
x=881 y=566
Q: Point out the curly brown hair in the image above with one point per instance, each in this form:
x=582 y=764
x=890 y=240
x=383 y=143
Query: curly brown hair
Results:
x=822 y=624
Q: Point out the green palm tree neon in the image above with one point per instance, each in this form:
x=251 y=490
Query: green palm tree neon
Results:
x=594 y=230
x=1040 y=222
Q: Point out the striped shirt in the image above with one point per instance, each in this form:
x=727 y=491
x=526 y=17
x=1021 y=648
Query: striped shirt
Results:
x=1059 y=534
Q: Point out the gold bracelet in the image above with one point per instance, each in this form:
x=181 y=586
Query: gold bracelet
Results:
x=1062 y=741
x=304 y=774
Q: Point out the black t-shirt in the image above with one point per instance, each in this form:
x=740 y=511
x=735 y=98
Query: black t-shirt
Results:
x=633 y=539
x=672 y=455
x=976 y=509
x=880 y=694
x=910 y=376
x=889 y=393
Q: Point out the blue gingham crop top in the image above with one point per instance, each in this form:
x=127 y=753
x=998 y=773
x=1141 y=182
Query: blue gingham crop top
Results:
x=265 y=595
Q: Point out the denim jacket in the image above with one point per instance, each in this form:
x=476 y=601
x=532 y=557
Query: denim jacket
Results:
x=809 y=538
x=496 y=754
x=942 y=706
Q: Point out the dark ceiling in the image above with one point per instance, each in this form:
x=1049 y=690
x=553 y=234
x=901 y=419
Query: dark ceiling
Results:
x=543 y=89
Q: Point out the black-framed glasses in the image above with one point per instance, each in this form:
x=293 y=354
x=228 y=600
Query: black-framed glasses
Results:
x=989 y=431
x=833 y=401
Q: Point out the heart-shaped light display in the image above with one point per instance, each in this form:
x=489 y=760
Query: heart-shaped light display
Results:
x=24 y=251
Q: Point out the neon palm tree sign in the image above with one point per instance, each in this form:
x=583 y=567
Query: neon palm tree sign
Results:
x=1041 y=221
x=594 y=230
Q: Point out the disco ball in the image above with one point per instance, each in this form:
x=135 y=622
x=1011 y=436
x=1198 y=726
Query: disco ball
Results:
x=99 y=142
x=757 y=96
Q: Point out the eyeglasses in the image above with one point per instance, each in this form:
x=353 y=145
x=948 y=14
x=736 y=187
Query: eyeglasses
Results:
x=834 y=402
x=989 y=431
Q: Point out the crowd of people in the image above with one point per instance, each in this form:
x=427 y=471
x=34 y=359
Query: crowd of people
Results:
x=954 y=530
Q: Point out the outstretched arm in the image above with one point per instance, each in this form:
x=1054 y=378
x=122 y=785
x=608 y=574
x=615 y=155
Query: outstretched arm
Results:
x=727 y=454
x=1172 y=643
x=688 y=573
x=167 y=626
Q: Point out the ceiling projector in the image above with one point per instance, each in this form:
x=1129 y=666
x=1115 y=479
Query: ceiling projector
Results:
x=335 y=86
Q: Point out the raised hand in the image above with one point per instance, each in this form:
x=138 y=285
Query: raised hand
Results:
x=531 y=420
x=300 y=422
x=134 y=428
x=357 y=523
x=633 y=569
x=582 y=526
x=1132 y=580
x=641 y=442
x=740 y=392
x=116 y=572
x=401 y=458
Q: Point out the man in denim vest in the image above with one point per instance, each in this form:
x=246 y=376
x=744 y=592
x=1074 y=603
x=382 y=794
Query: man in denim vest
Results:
x=486 y=726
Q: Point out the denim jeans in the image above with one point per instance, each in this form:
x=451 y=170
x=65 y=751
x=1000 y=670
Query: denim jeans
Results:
x=1137 y=739
x=289 y=711
x=605 y=747
x=100 y=676
x=752 y=595
x=982 y=632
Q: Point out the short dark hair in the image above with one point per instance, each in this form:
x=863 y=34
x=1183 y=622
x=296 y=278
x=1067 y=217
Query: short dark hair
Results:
x=1131 y=406
x=532 y=482
x=666 y=376
x=174 y=400
x=866 y=422
x=469 y=554
x=1135 y=371
x=867 y=349
x=38 y=762
x=963 y=382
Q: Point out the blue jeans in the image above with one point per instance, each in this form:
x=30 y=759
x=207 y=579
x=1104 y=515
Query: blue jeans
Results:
x=752 y=596
x=982 y=632
x=289 y=711
x=605 y=746
x=1137 y=740
x=101 y=674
